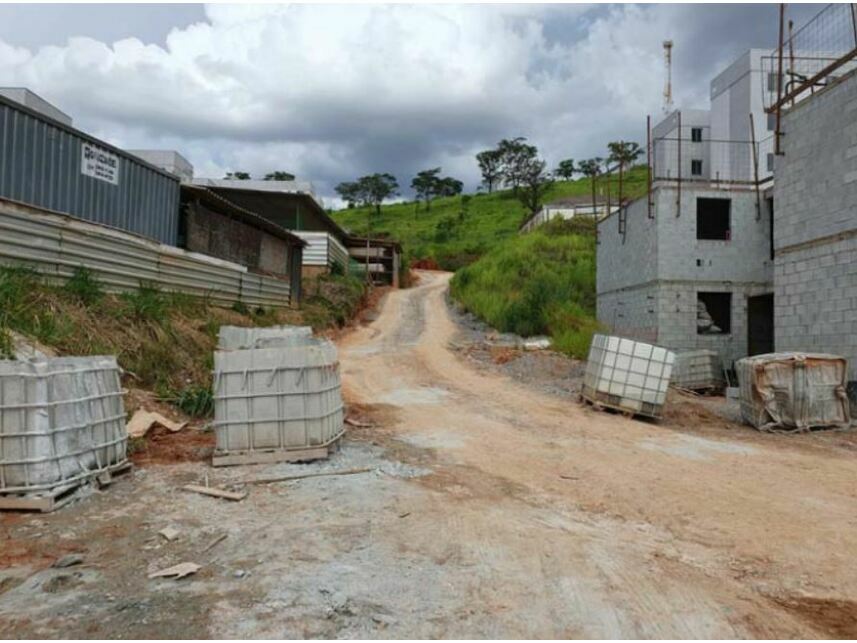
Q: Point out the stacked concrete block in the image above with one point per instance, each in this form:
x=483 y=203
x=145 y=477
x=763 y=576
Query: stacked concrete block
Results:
x=698 y=370
x=277 y=397
x=627 y=375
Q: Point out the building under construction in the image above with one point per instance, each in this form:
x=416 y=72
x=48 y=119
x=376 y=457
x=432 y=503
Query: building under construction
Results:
x=745 y=242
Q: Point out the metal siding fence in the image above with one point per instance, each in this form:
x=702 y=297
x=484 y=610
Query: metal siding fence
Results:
x=55 y=245
x=323 y=249
x=40 y=164
x=315 y=252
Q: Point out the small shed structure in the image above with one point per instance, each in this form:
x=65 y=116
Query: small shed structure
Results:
x=213 y=225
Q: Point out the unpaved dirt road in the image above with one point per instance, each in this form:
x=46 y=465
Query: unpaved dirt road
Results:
x=492 y=511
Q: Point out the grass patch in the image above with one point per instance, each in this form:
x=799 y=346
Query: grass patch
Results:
x=539 y=283
x=456 y=231
x=164 y=341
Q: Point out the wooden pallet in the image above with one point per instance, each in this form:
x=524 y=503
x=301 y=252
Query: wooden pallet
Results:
x=53 y=499
x=275 y=455
x=600 y=405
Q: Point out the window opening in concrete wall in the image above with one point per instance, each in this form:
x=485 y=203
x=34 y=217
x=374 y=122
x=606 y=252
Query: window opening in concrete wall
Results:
x=772 y=122
x=696 y=134
x=696 y=167
x=712 y=219
x=713 y=313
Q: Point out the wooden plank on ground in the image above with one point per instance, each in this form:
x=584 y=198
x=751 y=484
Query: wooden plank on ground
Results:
x=215 y=492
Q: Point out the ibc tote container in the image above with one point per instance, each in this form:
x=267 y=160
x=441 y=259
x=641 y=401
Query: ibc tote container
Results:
x=278 y=402
x=62 y=422
x=794 y=391
x=627 y=375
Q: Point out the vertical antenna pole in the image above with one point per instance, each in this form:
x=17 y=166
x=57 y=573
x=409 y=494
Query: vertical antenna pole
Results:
x=777 y=133
x=678 y=179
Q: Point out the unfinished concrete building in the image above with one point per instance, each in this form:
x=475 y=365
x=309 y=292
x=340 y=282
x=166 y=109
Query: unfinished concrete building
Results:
x=815 y=237
x=689 y=266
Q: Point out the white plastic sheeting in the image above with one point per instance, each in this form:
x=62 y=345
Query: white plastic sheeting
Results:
x=238 y=337
x=61 y=420
x=283 y=397
x=627 y=375
x=794 y=391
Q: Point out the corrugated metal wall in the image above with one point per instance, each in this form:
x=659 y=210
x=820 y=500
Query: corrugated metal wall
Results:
x=55 y=245
x=323 y=249
x=40 y=164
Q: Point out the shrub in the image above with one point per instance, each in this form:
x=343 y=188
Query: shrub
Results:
x=84 y=286
x=196 y=401
x=147 y=303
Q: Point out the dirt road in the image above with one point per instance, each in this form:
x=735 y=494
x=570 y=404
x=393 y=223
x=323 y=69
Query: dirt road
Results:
x=491 y=511
x=570 y=522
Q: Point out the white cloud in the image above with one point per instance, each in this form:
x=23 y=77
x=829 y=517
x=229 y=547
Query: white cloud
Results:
x=332 y=92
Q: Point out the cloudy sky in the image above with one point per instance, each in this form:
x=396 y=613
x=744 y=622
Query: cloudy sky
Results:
x=333 y=92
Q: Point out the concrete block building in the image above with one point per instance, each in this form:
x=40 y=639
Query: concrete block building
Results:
x=696 y=275
x=815 y=231
x=690 y=265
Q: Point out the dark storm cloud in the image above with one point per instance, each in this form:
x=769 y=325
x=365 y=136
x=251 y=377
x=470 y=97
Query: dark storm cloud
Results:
x=334 y=92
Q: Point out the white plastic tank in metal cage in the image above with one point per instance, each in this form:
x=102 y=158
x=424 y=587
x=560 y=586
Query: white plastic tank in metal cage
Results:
x=794 y=391
x=238 y=337
x=62 y=422
x=627 y=375
x=279 y=402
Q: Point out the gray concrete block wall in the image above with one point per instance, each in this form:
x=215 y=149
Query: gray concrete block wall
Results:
x=631 y=261
x=815 y=234
x=630 y=313
x=815 y=300
x=744 y=257
x=677 y=313
x=815 y=193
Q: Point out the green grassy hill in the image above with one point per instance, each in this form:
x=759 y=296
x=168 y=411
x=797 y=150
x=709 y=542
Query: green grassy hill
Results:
x=453 y=240
x=541 y=283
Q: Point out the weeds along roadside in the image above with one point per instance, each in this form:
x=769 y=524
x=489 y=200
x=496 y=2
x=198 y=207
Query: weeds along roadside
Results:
x=164 y=341
x=541 y=283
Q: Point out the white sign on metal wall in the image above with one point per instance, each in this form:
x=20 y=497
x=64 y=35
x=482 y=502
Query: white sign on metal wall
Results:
x=99 y=164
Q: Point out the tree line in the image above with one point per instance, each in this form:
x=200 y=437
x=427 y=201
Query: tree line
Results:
x=278 y=175
x=513 y=163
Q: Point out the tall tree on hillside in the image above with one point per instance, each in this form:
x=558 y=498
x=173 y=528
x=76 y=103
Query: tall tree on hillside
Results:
x=349 y=191
x=624 y=153
x=425 y=183
x=535 y=182
x=591 y=168
x=565 y=169
x=237 y=176
x=448 y=186
x=491 y=165
x=279 y=175
x=377 y=188
x=516 y=155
